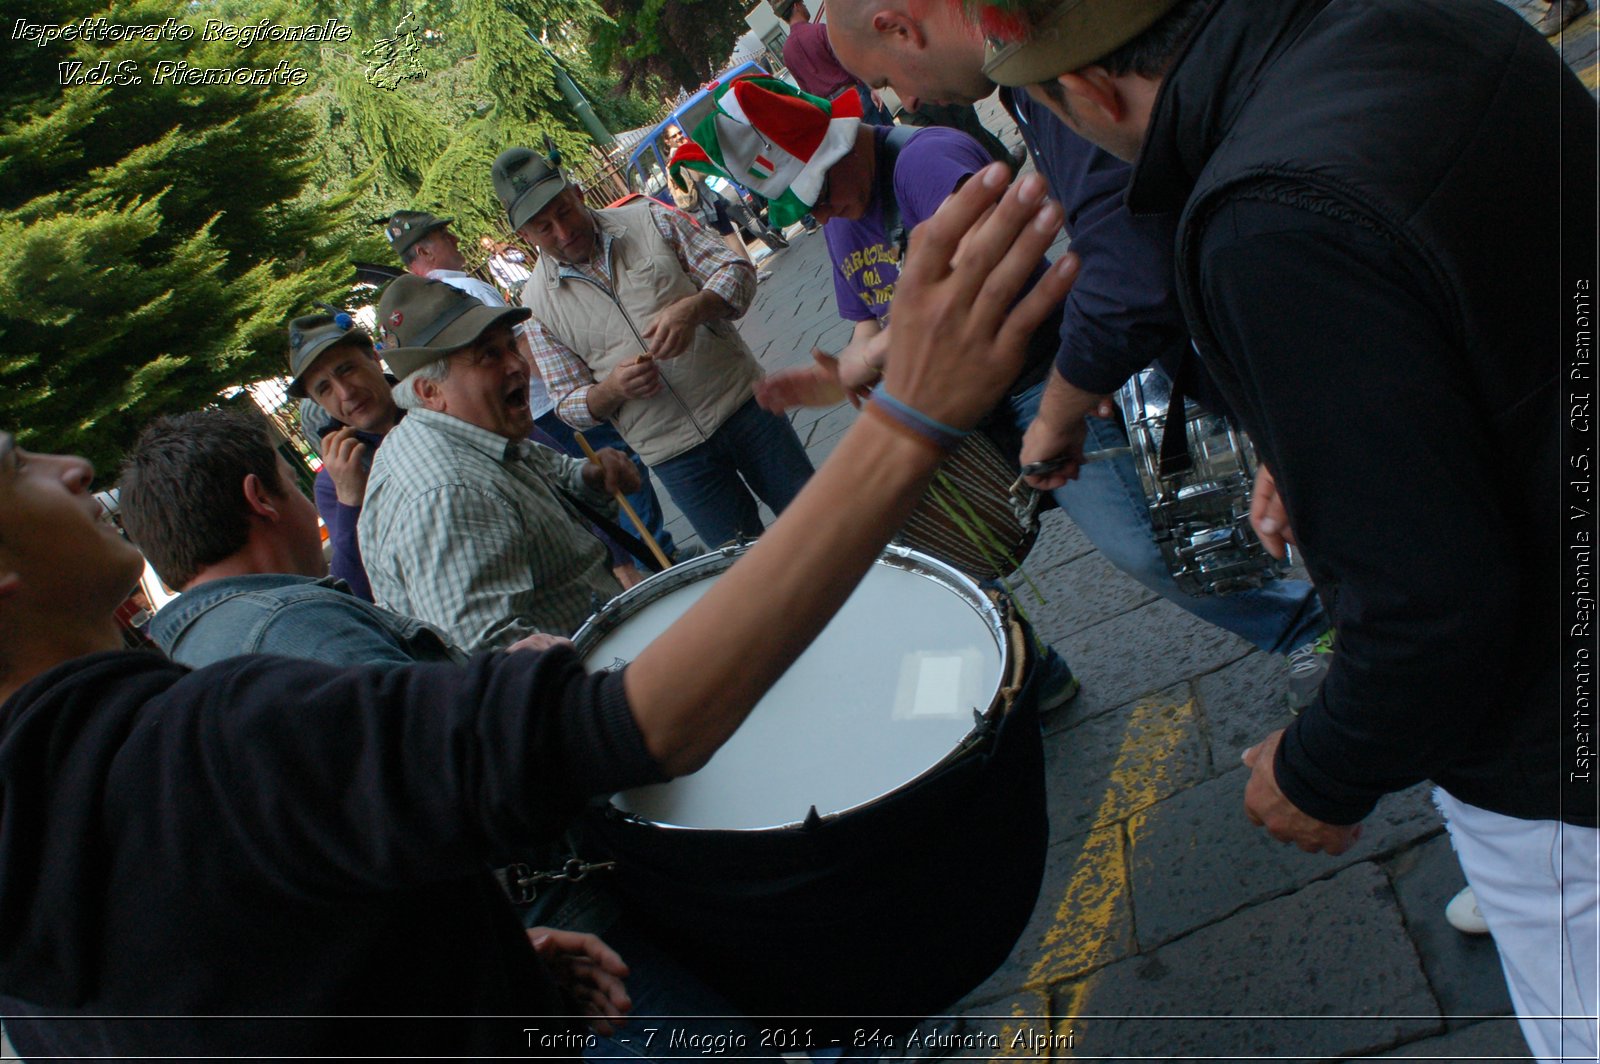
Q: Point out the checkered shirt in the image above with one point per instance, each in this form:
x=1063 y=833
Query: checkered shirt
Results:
x=466 y=530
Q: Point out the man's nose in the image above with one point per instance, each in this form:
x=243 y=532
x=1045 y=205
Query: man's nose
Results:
x=76 y=473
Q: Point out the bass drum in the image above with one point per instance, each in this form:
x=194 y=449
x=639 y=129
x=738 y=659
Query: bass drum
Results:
x=870 y=843
x=1201 y=516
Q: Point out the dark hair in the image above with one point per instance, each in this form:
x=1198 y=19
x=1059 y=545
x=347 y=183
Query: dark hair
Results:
x=182 y=494
x=1150 y=55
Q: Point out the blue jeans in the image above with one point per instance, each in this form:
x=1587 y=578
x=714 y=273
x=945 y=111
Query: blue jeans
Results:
x=643 y=501
x=705 y=480
x=1108 y=503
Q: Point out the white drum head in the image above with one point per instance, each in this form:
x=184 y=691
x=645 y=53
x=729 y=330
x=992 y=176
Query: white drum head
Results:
x=887 y=691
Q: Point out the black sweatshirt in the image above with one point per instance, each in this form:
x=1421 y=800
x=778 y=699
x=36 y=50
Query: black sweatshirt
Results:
x=234 y=852
x=1384 y=203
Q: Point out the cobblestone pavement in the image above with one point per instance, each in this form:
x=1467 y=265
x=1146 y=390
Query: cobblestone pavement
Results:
x=1168 y=927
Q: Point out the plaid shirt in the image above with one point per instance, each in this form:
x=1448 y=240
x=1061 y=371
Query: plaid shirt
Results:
x=466 y=530
x=704 y=257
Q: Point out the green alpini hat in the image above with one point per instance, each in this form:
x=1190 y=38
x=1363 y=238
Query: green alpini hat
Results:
x=770 y=137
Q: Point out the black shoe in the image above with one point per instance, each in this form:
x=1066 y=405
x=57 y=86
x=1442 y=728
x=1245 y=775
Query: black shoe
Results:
x=775 y=240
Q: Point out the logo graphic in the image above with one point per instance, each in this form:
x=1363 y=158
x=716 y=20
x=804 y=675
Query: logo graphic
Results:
x=762 y=168
x=394 y=59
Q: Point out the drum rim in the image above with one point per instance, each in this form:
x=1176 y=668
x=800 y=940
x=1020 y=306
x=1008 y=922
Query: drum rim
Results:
x=995 y=617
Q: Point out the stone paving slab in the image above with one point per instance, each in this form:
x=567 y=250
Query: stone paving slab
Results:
x=1145 y=650
x=831 y=424
x=1109 y=767
x=1011 y=1027
x=1083 y=920
x=1484 y=1040
x=1194 y=858
x=1464 y=970
x=1325 y=971
x=1242 y=703
x=1060 y=541
x=1080 y=596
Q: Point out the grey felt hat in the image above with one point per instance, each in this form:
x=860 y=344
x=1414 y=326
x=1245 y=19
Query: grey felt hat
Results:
x=405 y=228
x=309 y=336
x=428 y=320
x=525 y=183
x=1073 y=35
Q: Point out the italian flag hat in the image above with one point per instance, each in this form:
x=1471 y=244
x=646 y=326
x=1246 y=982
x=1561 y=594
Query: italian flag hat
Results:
x=770 y=137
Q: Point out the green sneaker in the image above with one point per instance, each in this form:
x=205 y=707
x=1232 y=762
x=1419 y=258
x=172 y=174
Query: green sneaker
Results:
x=1308 y=665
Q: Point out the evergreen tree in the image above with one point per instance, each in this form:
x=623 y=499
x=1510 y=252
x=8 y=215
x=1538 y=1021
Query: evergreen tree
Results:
x=681 y=43
x=155 y=235
x=489 y=81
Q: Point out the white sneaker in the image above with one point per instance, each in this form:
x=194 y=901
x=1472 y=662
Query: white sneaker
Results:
x=1463 y=915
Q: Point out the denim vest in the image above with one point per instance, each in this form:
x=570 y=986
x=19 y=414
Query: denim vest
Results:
x=291 y=616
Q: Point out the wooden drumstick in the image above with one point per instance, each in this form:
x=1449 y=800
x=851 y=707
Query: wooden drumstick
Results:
x=644 y=533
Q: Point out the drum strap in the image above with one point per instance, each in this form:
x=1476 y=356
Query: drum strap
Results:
x=1174 y=457
x=894 y=227
x=627 y=540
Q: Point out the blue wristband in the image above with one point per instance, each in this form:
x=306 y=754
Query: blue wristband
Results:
x=945 y=436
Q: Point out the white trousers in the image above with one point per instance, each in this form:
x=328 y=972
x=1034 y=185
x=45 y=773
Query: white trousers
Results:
x=1538 y=887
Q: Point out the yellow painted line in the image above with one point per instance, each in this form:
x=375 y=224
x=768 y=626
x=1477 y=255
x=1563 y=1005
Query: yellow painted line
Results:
x=1080 y=938
x=1590 y=77
x=1082 y=935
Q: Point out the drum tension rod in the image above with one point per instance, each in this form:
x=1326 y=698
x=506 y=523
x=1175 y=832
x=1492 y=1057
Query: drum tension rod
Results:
x=523 y=883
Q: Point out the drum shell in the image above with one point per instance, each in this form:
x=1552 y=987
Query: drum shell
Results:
x=980 y=475
x=895 y=910
x=1200 y=516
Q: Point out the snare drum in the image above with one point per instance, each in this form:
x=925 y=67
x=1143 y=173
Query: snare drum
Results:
x=1201 y=516
x=870 y=843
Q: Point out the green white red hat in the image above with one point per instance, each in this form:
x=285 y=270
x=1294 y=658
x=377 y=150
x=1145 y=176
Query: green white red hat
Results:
x=773 y=139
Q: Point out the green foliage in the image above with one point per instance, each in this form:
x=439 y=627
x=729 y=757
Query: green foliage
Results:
x=680 y=43
x=154 y=235
x=644 y=105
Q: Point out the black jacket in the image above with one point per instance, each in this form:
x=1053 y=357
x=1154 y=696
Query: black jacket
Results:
x=1370 y=258
x=228 y=861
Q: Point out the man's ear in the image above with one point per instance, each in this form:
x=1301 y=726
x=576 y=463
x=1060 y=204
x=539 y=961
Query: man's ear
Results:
x=262 y=502
x=901 y=28
x=1094 y=88
x=10 y=584
x=430 y=393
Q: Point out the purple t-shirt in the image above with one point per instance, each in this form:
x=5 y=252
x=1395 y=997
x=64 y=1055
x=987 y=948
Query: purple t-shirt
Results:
x=865 y=265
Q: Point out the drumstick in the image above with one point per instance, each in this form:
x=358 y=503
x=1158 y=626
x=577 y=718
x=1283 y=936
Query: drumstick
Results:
x=1050 y=465
x=644 y=533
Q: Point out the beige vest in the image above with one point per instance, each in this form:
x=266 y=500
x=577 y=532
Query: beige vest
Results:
x=713 y=378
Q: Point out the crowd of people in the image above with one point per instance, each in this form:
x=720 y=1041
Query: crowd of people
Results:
x=277 y=836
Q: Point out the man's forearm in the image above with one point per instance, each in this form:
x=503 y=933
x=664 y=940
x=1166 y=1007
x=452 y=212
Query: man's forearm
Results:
x=602 y=401
x=1064 y=403
x=709 y=306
